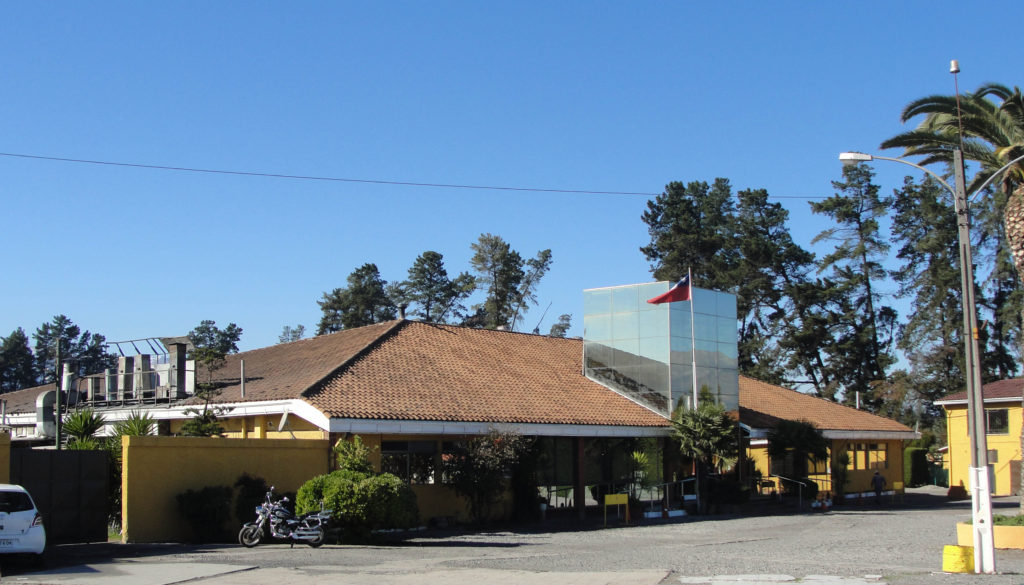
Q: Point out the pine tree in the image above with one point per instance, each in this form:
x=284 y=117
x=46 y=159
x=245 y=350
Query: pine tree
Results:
x=924 y=228
x=865 y=329
x=17 y=364
x=510 y=282
x=693 y=227
x=433 y=293
x=364 y=302
x=86 y=352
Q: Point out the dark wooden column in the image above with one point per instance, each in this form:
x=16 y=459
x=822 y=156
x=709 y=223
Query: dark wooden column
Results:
x=579 y=488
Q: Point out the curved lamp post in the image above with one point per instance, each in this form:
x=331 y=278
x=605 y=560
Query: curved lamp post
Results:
x=981 y=497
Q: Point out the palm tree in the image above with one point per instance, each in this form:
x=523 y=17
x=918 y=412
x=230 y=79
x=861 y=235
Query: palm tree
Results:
x=708 y=435
x=992 y=135
x=800 y=438
x=81 y=426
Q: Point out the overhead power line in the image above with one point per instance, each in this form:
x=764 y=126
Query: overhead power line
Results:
x=344 y=179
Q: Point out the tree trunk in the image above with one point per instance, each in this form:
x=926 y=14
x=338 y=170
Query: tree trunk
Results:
x=1013 y=225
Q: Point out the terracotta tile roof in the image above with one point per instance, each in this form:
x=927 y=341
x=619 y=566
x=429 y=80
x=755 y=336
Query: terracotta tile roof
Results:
x=24 y=400
x=286 y=370
x=445 y=373
x=407 y=370
x=1000 y=389
x=763 y=405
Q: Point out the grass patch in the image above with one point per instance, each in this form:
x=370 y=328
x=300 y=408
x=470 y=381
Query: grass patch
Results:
x=1000 y=520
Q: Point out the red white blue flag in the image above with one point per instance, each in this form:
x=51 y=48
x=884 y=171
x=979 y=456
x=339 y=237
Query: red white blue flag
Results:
x=680 y=291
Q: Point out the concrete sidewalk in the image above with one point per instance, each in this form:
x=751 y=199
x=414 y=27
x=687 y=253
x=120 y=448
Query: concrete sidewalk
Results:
x=158 y=573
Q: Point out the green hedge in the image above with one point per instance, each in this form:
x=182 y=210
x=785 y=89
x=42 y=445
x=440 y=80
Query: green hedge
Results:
x=915 y=467
x=206 y=512
x=360 y=502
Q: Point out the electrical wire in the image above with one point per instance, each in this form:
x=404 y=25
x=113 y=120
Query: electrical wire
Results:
x=347 y=180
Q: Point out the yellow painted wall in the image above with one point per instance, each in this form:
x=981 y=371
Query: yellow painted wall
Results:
x=1007 y=447
x=858 y=480
x=263 y=427
x=156 y=469
x=5 y=458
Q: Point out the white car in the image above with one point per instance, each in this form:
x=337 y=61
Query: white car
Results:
x=21 y=526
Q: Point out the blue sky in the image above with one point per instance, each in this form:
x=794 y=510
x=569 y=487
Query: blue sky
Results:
x=579 y=96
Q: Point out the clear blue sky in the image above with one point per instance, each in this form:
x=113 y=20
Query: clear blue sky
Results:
x=580 y=95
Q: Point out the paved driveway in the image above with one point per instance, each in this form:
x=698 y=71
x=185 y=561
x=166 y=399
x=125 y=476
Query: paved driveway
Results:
x=851 y=545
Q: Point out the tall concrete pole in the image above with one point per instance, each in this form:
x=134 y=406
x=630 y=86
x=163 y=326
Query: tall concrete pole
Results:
x=981 y=496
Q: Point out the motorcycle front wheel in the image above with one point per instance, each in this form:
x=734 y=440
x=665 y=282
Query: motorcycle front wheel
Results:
x=249 y=536
x=318 y=539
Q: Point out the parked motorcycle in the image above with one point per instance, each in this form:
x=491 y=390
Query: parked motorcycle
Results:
x=274 y=519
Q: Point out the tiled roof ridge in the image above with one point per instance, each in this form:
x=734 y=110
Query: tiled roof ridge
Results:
x=484 y=329
x=995 y=387
x=391 y=330
x=312 y=339
x=825 y=400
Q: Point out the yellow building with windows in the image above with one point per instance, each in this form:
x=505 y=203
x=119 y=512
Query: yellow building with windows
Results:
x=1003 y=420
x=870 y=442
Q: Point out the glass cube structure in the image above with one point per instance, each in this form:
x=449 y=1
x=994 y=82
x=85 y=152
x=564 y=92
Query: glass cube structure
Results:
x=647 y=352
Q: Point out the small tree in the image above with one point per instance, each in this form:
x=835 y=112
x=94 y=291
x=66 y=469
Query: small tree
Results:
x=289 y=333
x=560 y=328
x=353 y=455
x=211 y=345
x=477 y=469
x=708 y=435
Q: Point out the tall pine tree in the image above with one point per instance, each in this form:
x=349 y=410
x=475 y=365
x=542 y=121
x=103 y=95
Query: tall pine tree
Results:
x=864 y=328
x=363 y=302
x=86 y=352
x=17 y=364
x=434 y=294
x=925 y=232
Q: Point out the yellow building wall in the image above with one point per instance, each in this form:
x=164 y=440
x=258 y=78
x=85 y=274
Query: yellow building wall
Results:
x=858 y=480
x=1006 y=448
x=156 y=469
x=263 y=427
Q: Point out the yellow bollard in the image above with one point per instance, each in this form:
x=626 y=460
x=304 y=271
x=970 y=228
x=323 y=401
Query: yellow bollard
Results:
x=957 y=559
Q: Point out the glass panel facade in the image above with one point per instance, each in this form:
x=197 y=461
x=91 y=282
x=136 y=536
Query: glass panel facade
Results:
x=647 y=351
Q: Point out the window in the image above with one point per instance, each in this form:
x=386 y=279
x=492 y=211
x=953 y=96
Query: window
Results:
x=413 y=461
x=868 y=455
x=997 y=421
x=15 y=502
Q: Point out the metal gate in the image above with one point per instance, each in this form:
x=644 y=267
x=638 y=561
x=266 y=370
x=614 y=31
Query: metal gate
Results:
x=70 y=489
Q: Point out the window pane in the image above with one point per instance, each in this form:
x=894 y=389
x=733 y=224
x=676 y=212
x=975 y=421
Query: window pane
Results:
x=421 y=468
x=998 y=420
x=395 y=464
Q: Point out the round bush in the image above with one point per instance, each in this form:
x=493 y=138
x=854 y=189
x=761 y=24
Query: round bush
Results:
x=360 y=502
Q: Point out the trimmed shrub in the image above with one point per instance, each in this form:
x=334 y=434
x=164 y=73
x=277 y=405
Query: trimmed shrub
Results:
x=206 y=512
x=251 y=492
x=391 y=503
x=360 y=502
x=915 y=466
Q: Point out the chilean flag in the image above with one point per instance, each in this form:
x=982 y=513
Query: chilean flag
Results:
x=679 y=292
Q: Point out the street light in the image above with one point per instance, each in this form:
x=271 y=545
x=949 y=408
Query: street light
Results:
x=981 y=498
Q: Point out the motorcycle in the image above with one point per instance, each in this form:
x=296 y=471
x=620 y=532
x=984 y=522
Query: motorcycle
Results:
x=274 y=518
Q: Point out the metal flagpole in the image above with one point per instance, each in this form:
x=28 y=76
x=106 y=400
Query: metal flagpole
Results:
x=693 y=341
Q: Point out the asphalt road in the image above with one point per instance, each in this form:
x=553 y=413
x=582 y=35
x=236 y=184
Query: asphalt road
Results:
x=855 y=544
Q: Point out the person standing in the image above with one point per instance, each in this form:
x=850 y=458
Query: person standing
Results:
x=878 y=483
